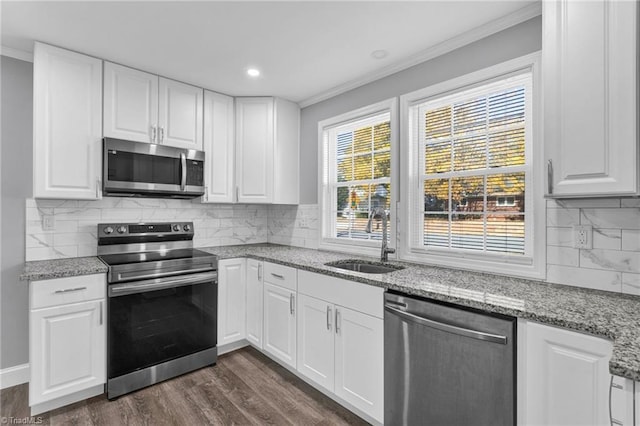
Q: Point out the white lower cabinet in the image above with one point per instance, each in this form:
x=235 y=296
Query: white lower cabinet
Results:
x=231 y=301
x=280 y=323
x=316 y=340
x=567 y=380
x=67 y=340
x=341 y=339
x=255 y=294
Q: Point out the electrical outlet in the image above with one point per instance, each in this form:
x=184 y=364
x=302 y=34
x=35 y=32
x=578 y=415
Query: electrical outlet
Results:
x=303 y=222
x=48 y=222
x=583 y=236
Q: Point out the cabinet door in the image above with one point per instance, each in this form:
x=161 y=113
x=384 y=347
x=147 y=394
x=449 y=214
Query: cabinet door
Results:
x=180 y=114
x=359 y=368
x=255 y=294
x=67 y=350
x=590 y=98
x=316 y=340
x=567 y=377
x=219 y=147
x=67 y=124
x=254 y=149
x=280 y=323
x=621 y=399
x=231 y=301
x=286 y=172
x=130 y=104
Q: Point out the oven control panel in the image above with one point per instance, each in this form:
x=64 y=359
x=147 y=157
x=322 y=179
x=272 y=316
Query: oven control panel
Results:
x=144 y=229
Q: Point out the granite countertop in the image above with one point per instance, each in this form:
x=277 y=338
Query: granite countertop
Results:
x=611 y=315
x=59 y=268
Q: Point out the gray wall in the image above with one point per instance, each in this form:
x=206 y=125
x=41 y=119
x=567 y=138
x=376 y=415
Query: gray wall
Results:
x=511 y=43
x=16 y=185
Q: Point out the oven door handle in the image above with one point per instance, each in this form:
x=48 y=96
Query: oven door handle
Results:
x=116 y=290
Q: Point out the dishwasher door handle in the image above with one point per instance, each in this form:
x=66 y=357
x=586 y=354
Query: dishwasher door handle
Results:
x=474 y=334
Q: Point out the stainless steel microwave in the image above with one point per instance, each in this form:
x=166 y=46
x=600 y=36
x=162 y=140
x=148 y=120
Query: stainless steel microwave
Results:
x=150 y=170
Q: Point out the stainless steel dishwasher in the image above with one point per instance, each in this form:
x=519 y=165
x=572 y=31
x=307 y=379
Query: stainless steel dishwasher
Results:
x=447 y=366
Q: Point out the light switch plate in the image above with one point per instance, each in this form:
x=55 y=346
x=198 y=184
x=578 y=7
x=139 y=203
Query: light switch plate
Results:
x=583 y=236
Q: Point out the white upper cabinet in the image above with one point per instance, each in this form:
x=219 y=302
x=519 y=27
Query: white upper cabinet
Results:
x=590 y=97
x=130 y=104
x=67 y=124
x=143 y=107
x=180 y=114
x=219 y=148
x=267 y=147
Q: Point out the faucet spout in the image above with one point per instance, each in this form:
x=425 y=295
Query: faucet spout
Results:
x=380 y=212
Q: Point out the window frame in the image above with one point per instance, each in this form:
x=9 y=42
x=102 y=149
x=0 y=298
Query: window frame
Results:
x=531 y=266
x=363 y=247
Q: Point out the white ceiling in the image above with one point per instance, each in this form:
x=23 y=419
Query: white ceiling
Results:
x=303 y=48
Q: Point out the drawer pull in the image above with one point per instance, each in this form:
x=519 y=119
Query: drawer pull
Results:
x=69 y=290
x=281 y=277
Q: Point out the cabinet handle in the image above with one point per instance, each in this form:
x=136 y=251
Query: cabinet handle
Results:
x=154 y=133
x=98 y=186
x=278 y=276
x=259 y=271
x=237 y=194
x=291 y=303
x=101 y=312
x=337 y=321
x=69 y=290
x=549 y=177
x=612 y=385
x=328 y=317
x=161 y=134
x=206 y=193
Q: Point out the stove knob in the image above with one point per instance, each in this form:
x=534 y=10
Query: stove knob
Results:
x=108 y=230
x=176 y=228
x=186 y=228
x=122 y=230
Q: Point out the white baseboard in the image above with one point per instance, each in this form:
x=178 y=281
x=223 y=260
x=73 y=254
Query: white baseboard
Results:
x=13 y=376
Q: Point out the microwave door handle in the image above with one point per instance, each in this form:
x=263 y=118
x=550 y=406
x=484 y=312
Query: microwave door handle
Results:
x=183 y=167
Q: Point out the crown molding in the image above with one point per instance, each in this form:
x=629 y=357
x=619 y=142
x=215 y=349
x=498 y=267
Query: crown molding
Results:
x=492 y=27
x=16 y=53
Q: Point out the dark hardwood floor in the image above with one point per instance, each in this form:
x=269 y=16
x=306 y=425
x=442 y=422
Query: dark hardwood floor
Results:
x=244 y=388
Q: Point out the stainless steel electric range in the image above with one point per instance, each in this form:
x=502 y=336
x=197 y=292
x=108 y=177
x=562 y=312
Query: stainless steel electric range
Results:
x=162 y=303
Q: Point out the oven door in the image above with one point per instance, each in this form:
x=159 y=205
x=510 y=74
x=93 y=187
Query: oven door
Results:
x=145 y=169
x=155 y=321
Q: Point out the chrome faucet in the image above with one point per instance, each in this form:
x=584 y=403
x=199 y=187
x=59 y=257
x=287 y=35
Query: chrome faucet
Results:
x=379 y=211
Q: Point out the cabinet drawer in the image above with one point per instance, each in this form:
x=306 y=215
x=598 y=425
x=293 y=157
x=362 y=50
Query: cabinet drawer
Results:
x=62 y=291
x=281 y=275
x=360 y=297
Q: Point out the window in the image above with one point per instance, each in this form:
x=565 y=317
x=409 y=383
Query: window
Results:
x=506 y=201
x=469 y=171
x=356 y=177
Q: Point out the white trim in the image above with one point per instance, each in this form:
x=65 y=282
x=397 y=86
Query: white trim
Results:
x=478 y=33
x=13 y=376
x=365 y=247
x=503 y=265
x=16 y=53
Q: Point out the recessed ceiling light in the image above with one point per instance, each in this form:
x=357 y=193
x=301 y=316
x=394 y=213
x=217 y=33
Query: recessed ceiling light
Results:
x=253 y=72
x=379 y=54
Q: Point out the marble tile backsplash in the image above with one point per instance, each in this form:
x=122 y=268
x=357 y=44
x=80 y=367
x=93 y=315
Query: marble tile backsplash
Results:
x=74 y=230
x=294 y=225
x=613 y=263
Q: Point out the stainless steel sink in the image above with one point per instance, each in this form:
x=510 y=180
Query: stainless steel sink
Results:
x=364 y=266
